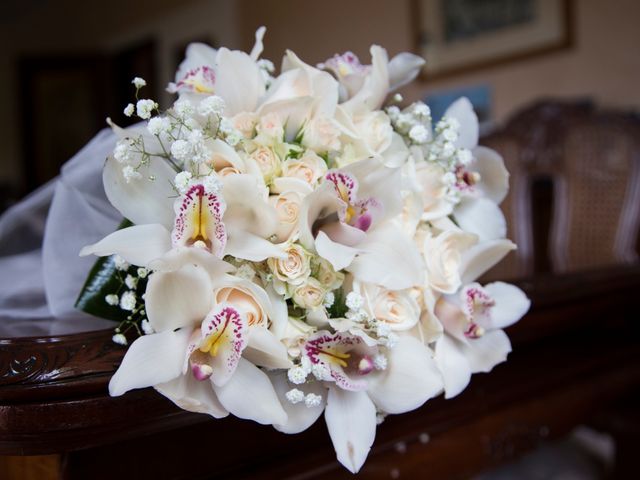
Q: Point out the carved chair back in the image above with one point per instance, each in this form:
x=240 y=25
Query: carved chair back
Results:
x=592 y=161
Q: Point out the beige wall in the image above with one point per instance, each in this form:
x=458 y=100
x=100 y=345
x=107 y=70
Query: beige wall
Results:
x=603 y=64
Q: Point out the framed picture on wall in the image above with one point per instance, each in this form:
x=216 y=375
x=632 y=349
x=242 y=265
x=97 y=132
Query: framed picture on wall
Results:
x=460 y=35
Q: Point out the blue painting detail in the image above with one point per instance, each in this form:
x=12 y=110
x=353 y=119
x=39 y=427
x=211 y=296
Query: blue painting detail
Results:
x=478 y=95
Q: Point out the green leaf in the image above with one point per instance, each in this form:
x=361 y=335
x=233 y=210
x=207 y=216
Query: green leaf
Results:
x=339 y=308
x=104 y=279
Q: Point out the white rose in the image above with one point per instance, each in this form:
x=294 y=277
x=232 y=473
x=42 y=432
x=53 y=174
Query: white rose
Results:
x=245 y=123
x=268 y=162
x=375 y=130
x=322 y=135
x=327 y=276
x=225 y=171
x=309 y=295
x=294 y=269
x=271 y=127
x=399 y=309
x=309 y=168
x=442 y=255
x=247 y=298
x=287 y=205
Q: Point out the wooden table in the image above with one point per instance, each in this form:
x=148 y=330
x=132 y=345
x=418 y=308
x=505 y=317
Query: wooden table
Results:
x=575 y=360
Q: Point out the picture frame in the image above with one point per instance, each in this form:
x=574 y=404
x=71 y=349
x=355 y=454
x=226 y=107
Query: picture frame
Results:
x=458 y=36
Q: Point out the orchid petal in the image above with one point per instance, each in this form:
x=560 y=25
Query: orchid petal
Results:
x=266 y=350
x=238 y=81
x=462 y=111
x=453 y=365
x=196 y=55
x=494 y=177
x=317 y=205
x=376 y=85
x=249 y=394
x=256 y=51
x=224 y=337
x=344 y=234
x=322 y=86
x=138 y=245
x=199 y=219
x=511 y=304
x=151 y=360
x=223 y=155
x=388 y=258
x=247 y=206
x=299 y=416
x=410 y=379
x=403 y=68
x=481 y=257
x=251 y=247
x=396 y=155
x=192 y=395
x=489 y=350
x=482 y=217
x=351 y=421
x=179 y=256
x=142 y=201
x=177 y=299
x=338 y=255
x=280 y=314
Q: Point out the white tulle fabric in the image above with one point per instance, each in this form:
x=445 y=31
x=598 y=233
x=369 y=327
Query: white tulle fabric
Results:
x=41 y=273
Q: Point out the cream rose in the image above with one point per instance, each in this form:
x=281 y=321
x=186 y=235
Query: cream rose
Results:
x=225 y=171
x=322 y=135
x=442 y=255
x=270 y=126
x=327 y=276
x=287 y=205
x=375 y=130
x=309 y=168
x=245 y=297
x=267 y=161
x=294 y=269
x=309 y=295
x=399 y=309
x=245 y=123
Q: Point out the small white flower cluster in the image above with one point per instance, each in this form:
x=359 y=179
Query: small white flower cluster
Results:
x=413 y=123
x=184 y=180
x=193 y=148
x=299 y=373
x=359 y=315
x=310 y=400
x=128 y=300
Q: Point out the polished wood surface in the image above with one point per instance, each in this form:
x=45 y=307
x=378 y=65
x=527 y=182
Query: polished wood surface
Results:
x=575 y=355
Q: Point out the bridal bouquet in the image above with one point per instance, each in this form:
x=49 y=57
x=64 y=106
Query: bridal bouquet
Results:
x=297 y=244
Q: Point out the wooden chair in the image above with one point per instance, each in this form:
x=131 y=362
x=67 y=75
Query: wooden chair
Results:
x=597 y=196
x=574 y=202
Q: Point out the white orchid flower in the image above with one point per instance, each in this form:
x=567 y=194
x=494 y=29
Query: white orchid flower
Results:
x=358 y=381
x=235 y=221
x=473 y=320
x=483 y=182
x=352 y=74
x=344 y=221
x=232 y=75
x=213 y=329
